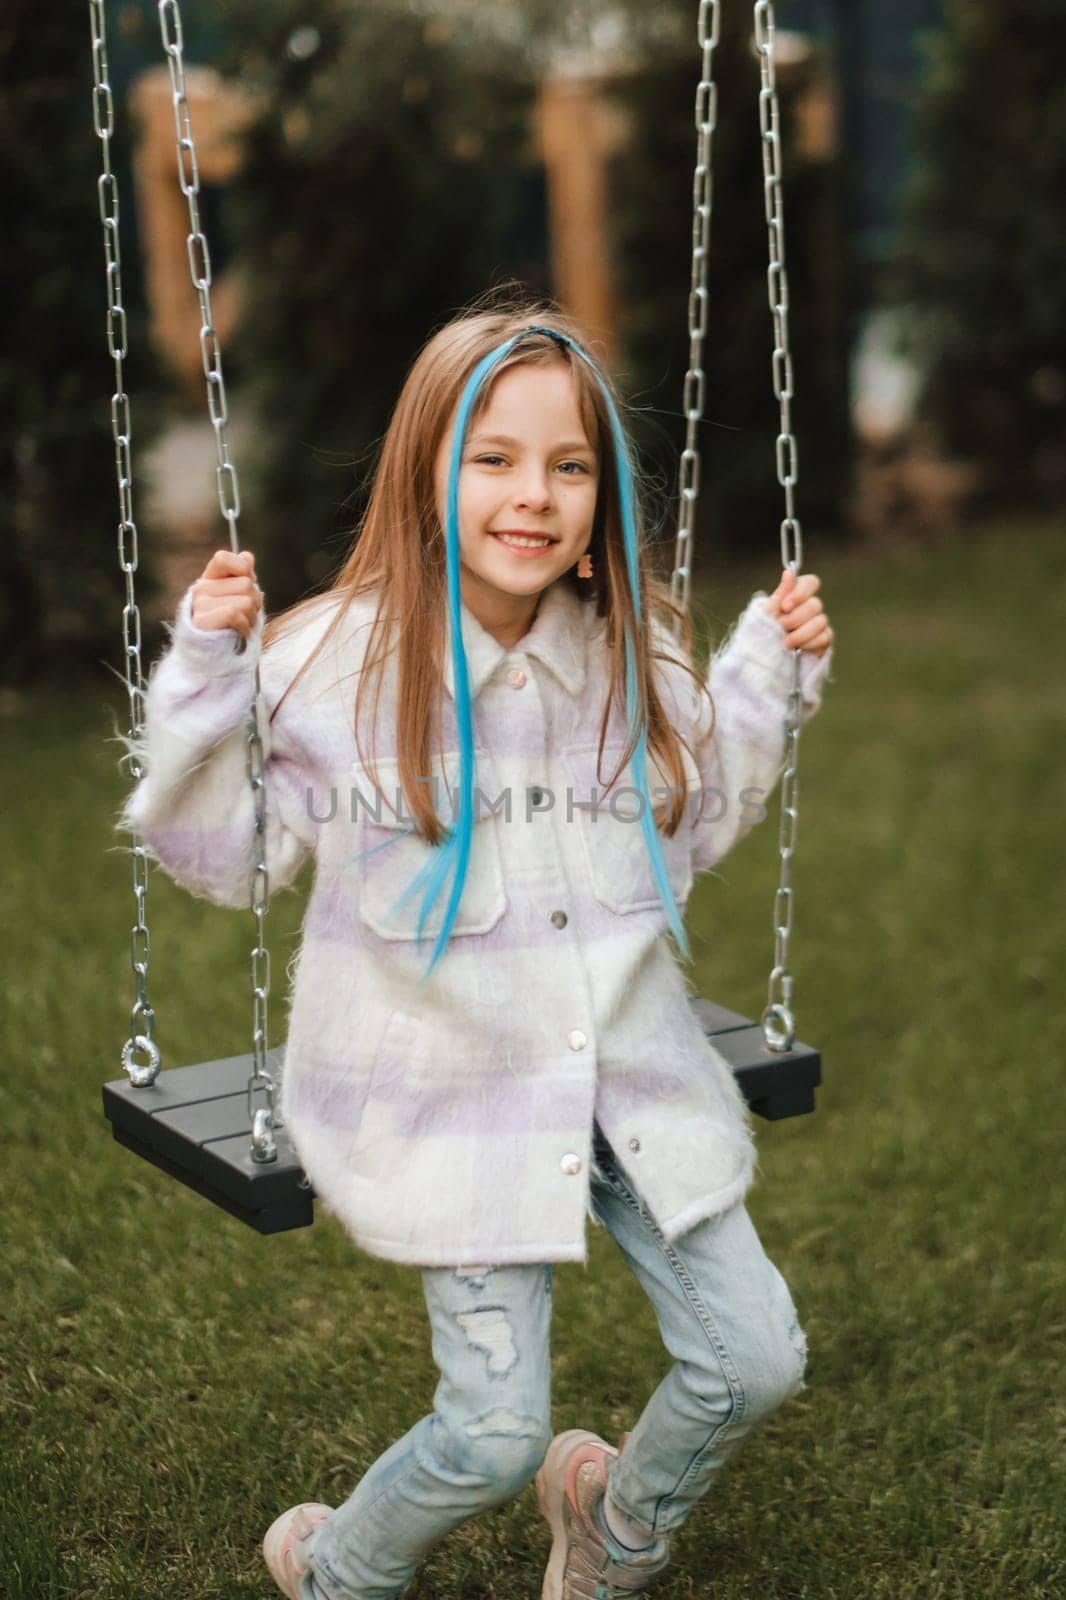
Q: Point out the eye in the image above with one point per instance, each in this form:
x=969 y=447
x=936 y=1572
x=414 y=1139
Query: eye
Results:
x=580 y=465
x=487 y=461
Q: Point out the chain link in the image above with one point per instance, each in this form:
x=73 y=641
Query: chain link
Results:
x=706 y=116
x=140 y=1054
x=777 y=1019
x=141 y=1040
x=264 y=1146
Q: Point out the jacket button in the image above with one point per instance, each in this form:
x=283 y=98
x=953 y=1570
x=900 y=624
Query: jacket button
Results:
x=634 y=1144
x=577 y=1040
x=516 y=677
x=571 y=1163
x=536 y=795
x=558 y=919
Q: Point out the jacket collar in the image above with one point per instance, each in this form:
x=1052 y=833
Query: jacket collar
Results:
x=558 y=638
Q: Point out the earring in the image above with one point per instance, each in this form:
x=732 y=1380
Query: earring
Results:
x=584 y=566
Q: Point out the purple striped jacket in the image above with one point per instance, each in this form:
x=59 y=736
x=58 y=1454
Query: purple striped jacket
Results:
x=455 y=1128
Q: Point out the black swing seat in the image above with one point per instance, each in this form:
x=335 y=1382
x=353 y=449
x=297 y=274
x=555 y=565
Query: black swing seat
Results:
x=193 y=1122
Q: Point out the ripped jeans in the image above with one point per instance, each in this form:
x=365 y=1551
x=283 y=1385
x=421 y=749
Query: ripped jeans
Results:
x=726 y=1317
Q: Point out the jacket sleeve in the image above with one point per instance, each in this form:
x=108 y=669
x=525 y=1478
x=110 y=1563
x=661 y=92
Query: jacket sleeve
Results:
x=740 y=748
x=193 y=806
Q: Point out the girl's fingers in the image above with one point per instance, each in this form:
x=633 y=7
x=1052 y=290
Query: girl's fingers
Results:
x=215 y=621
x=796 y=605
x=774 y=604
x=225 y=564
x=803 y=613
x=801 y=589
x=815 y=634
x=239 y=613
x=225 y=586
x=240 y=624
x=246 y=605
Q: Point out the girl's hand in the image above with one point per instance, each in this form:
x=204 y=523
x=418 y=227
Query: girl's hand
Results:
x=797 y=607
x=226 y=594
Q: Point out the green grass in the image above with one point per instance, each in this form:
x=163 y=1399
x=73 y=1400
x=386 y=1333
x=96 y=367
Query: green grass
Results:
x=169 y=1381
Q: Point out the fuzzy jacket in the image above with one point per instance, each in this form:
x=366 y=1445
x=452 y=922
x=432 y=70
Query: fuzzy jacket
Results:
x=457 y=1129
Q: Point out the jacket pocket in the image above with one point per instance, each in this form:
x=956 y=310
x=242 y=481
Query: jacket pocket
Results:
x=390 y=853
x=612 y=834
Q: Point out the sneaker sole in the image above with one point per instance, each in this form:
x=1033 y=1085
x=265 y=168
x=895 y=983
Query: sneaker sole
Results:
x=551 y=1494
x=272 y=1553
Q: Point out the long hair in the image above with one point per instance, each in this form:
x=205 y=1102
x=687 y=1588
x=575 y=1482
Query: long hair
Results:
x=409 y=561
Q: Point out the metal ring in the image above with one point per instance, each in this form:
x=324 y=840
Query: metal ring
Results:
x=783 y=1036
x=141 y=1074
x=264 y=1145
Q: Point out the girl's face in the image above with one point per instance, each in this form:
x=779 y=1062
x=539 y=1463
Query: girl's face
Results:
x=528 y=471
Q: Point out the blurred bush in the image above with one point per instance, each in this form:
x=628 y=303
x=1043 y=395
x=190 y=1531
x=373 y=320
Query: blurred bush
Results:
x=61 y=591
x=984 y=238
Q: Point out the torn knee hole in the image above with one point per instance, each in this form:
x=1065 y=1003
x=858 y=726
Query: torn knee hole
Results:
x=488 y=1329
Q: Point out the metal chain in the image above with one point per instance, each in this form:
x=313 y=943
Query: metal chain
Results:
x=778 y=1021
x=140 y=1054
x=708 y=29
x=141 y=1074
x=264 y=1145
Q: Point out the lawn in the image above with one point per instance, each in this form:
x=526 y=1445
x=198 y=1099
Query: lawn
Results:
x=169 y=1380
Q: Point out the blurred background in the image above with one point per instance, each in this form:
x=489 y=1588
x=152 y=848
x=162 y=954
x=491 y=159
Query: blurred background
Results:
x=368 y=168
x=170 y=1380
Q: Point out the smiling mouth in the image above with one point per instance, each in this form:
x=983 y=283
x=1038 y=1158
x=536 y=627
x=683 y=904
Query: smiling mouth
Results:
x=516 y=540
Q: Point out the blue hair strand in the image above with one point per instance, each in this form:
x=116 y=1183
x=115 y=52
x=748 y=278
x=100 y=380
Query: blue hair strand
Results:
x=453 y=856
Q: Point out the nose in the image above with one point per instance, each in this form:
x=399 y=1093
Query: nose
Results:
x=533 y=490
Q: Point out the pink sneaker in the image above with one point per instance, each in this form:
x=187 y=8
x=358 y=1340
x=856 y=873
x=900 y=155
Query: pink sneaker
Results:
x=281 y=1546
x=585 y=1559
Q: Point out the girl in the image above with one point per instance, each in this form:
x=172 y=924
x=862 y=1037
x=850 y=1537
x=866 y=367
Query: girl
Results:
x=540 y=776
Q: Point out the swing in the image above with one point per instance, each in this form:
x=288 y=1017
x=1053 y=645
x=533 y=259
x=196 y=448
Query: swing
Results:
x=200 y=1124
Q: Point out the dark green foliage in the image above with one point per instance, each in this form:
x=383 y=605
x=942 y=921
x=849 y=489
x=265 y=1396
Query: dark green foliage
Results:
x=61 y=590
x=388 y=182
x=984 y=238
x=652 y=209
